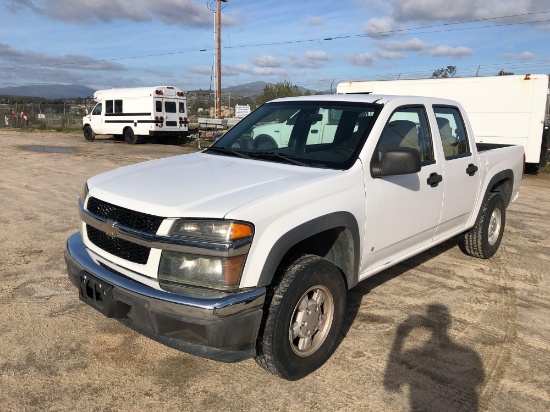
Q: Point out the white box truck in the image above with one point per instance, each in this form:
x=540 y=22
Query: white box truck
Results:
x=502 y=109
x=135 y=113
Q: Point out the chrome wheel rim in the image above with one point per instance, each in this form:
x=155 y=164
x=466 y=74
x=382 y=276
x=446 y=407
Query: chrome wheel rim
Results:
x=495 y=223
x=311 y=320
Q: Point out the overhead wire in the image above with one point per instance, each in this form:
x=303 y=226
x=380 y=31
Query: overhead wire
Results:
x=298 y=41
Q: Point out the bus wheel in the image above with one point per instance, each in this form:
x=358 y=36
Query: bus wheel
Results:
x=89 y=133
x=129 y=136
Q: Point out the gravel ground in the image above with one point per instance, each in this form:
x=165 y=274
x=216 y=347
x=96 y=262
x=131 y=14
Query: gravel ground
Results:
x=441 y=331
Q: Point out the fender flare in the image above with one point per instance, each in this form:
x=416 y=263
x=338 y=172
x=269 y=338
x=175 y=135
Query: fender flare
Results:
x=307 y=229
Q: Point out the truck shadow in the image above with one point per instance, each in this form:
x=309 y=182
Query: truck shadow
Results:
x=441 y=375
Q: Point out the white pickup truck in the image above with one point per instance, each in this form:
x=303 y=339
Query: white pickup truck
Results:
x=244 y=251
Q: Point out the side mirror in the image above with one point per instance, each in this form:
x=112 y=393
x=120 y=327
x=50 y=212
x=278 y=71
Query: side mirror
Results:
x=402 y=161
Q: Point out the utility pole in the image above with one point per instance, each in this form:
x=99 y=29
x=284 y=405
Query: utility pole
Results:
x=219 y=59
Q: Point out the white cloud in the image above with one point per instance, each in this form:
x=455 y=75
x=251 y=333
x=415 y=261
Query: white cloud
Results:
x=314 y=21
x=259 y=71
x=527 y=55
x=364 y=59
x=175 y=12
x=69 y=61
x=448 y=51
x=312 y=59
x=266 y=61
x=380 y=26
x=415 y=45
x=445 y=10
x=390 y=55
x=201 y=69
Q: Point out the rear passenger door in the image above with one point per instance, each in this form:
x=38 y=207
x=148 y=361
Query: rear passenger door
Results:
x=460 y=168
x=403 y=211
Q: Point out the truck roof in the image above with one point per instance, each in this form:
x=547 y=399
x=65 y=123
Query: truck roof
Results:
x=370 y=86
x=366 y=98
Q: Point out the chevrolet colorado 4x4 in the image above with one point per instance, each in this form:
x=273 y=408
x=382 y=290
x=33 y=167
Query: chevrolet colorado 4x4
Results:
x=247 y=250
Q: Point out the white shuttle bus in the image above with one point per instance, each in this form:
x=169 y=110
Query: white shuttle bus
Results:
x=507 y=110
x=133 y=114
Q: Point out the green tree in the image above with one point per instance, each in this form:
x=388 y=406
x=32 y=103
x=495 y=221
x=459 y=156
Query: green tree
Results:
x=275 y=91
x=449 y=71
x=503 y=73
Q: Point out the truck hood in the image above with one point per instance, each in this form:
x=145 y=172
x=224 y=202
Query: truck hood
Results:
x=198 y=185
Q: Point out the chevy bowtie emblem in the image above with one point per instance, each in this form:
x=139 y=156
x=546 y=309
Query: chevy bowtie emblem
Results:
x=109 y=228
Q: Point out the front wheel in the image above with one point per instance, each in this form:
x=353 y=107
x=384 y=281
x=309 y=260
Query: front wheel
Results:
x=483 y=240
x=304 y=319
x=89 y=133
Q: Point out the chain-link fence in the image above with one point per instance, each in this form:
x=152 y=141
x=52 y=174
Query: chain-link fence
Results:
x=43 y=115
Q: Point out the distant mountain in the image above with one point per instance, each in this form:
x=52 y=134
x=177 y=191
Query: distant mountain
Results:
x=247 y=89
x=48 y=91
x=251 y=89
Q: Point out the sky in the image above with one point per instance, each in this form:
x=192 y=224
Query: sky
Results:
x=314 y=44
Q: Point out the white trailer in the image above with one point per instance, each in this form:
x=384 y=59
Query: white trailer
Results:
x=502 y=109
x=137 y=113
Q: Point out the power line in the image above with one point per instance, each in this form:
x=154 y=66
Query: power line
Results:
x=362 y=35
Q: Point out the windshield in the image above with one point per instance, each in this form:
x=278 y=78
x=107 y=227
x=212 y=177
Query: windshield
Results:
x=308 y=133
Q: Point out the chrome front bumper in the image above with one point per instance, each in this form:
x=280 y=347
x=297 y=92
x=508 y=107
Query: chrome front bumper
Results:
x=222 y=328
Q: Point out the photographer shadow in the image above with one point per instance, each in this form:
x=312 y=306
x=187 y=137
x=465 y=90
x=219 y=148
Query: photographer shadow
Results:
x=441 y=374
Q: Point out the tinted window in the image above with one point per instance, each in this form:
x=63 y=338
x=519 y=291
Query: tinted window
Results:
x=407 y=127
x=182 y=107
x=452 y=131
x=108 y=106
x=97 y=109
x=118 y=106
x=158 y=105
x=170 y=107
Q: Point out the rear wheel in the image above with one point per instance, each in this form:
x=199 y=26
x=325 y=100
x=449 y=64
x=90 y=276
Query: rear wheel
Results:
x=89 y=133
x=304 y=319
x=129 y=136
x=483 y=240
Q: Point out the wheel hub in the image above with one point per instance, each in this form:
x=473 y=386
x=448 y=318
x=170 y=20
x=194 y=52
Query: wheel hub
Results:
x=494 y=226
x=311 y=321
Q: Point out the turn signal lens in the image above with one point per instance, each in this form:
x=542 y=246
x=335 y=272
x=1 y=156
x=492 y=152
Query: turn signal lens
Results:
x=211 y=230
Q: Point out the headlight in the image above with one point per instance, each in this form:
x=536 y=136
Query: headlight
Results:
x=216 y=272
x=211 y=230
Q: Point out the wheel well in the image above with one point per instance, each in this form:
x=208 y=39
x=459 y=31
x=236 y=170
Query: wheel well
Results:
x=126 y=128
x=86 y=125
x=335 y=245
x=504 y=187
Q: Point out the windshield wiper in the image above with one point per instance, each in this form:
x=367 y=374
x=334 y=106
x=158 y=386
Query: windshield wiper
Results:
x=225 y=150
x=288 y=159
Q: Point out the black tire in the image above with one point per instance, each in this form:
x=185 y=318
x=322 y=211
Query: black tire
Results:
x=264 y=142
x=88 y=133
x=304 y=318
x=129 y=136
x=482 y=241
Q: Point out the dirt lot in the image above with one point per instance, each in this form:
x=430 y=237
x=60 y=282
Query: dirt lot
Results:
x=488 y=346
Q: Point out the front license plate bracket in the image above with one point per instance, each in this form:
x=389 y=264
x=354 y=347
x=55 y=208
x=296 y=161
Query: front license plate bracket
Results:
x=98 y=294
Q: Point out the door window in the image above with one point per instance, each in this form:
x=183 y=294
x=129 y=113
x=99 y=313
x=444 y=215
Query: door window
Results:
x=108 y=106
x=97 y=109
x=407 y=127
x=182 y=107
x=158 y=105
x=452 y=132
